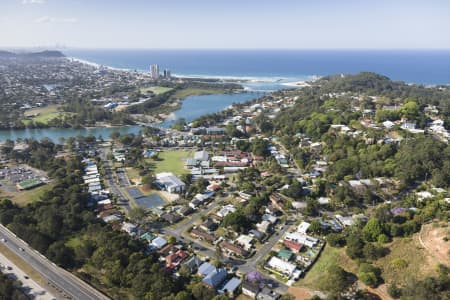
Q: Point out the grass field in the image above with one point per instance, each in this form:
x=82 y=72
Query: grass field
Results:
x=156 y=90
x=24 y=197
x=44 y=114
x=171 y=161
x=181 y=94
x=415 y=259
x=329 y=256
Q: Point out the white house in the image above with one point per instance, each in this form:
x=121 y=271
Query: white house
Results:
x=170 y=182
x=129 y=228
x=303 y=227
x=201 y=156
x=159 y=242
x=281 y=266
x=225 y=210
x=303 y=239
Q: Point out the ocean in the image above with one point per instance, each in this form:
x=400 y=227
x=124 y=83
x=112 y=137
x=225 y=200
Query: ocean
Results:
x=281 y=66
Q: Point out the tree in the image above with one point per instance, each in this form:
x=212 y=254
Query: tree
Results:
x=136 y=214
x=336 y=280
x=336 y=240
x=369 y=274
x=372 y=230
x=355 y=245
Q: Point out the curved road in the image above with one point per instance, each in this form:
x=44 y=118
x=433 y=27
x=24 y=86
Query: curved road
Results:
x=71 y=285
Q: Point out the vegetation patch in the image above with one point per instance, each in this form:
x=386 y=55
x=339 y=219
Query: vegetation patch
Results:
x=329 y=256
x=155 y=90
x=406 y=260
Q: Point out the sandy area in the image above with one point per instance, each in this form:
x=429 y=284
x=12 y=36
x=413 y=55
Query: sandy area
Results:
x=432 y=240
x=299 y=293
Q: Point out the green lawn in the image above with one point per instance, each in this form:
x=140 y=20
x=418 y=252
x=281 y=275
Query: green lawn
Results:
x=183 y=93
x=43 y=114
x=171 y=161
x=156 y=90
x=24 y=197
x=328 y=257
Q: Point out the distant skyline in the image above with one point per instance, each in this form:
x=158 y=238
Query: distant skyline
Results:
x=231 y=24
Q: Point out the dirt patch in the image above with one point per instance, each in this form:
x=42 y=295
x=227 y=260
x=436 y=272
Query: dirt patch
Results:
x=380 y=291
x=300 y=293
x=432 y=239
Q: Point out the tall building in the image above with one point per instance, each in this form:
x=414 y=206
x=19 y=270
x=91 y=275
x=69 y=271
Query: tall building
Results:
x=166 y=74
x=154 y=71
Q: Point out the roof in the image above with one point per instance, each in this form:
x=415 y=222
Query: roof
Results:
x=292 y=245
x=201 y=155
x=205 y=269
x=303 y=227
x=169 y=180
x=215 y=278
x=232 y=285
x=193 y=262
x=254 y=276
x=159 y=242
x=148 y=236
x=284 y=254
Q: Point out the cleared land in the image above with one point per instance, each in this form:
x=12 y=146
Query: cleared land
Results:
x=43 y=114
x=156 y=90
x=171 y=161
x=433 y=237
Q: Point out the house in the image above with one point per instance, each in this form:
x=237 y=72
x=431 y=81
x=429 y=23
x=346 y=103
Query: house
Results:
x=276 y=200
x=175 y=259
x=170 y=182
x=193 y=263
x=185 y=210
x=129 y=228
x=215 y=278
x=232 y=249
x=246 y=241
x=201 y=155
x=285 y=254
x=293 y=246
x=303 y=227
x=231 y=287
x=268 y=217
x=209 y=225
x=168 y=249
x=302 y=239
x=158 y=242
x=267 y=294
x=258 y=235
x=264 y=226
x=283 y=267
x=225 y=210
x=202 y=235
x=250 y=289
x=171 y=218
x=205 y=269
x=149 y=237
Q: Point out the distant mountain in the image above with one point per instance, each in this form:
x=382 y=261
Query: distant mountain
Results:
x=41 y=54
x=6 y=54
x=46 y=53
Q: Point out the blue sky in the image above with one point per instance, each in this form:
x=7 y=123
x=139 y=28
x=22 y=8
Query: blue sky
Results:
x=312 y=24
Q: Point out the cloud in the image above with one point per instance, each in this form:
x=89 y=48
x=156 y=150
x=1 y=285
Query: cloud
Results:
x=47 y=19
x=34 y=1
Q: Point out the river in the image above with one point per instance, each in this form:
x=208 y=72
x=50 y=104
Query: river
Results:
x=191 y=108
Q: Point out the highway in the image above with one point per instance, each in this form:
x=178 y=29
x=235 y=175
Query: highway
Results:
x=71 y=286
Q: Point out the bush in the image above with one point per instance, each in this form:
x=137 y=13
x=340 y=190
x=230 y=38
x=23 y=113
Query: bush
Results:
x=394 y=291
x=336 y=240
x=383 y=239
x=369 y=274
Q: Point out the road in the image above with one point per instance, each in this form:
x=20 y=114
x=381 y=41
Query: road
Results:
x=71 y=286
x=113 y=187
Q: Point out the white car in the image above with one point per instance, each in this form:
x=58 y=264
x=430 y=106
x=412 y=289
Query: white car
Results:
x=21 y=249
x=3 y=240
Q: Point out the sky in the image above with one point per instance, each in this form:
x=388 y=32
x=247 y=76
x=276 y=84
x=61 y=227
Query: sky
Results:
x=164 y=24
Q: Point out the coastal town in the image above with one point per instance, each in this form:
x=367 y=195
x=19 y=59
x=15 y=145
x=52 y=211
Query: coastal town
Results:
x=245 y=203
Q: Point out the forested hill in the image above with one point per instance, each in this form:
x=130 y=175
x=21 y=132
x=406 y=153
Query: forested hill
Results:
x=347 y=90
x=41 y=54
